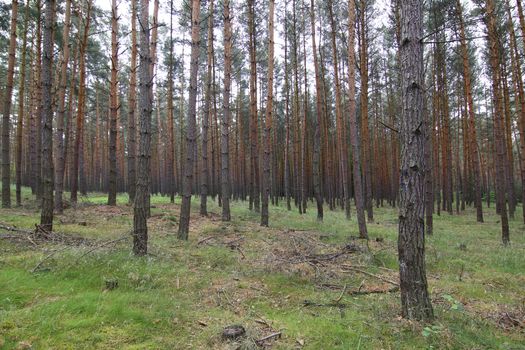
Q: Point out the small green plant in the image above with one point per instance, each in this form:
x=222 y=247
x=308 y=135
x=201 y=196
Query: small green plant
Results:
x=431 y=330
x=455 y=304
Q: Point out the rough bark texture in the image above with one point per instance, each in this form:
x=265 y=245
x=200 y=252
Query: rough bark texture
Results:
x=415 y=301
x=340 y=124
x=498 y=115
x=6 y=113
x=141 y=202
x=61 y=112
x=518 y=82
x=318 y=122
x=206 y=116
x=358 y=182
x=365 y=132
x=473 y=144
x=225 y=122
x=254 y=142
x=113 y=108
x=80 y=106
x=132 y=104
x=268 y=121
x=21 y=98
x=184 y=222
x=46 y=217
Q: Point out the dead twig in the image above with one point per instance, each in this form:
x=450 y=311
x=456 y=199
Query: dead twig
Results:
x=348 y=267
x=47 y=257
x=104 y=244
x=204 y=240
x=373 y=291
x=341 y=295
x=268 y=337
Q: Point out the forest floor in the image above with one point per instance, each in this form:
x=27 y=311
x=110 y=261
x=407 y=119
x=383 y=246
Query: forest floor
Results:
x=299 y=284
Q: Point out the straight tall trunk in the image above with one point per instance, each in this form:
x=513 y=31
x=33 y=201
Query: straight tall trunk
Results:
x=473 y=144
x=46 y=217
x=170 y=170
x=268 y=122
x=6 y=113
x=132 y=104
x=318 y=122
x=340 y=124
x=80 y=105
x=184 y=222
x=415 y=300
x=254 y=142
x=358 y=183
x=225 y=122
x=21 y=98
x=141 y=202
x=61 y=112
x=206 y=117
x=365 y=133
x=113 y=94
x=498 y=115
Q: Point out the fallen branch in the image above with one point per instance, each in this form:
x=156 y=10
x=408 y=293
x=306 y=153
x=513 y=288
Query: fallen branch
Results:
x=341 y=295
x=47 y=257
x=105 y=244
x=204 y=240
x=348 y=267
x=373 y=291
x=268 y=337
x=15 y=229
x=313 y=303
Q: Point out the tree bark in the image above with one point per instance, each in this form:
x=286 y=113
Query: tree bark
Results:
x=46 y=217
x=61 y=112
x=141 y=203
x=254 y=144
x=206 y=117
x=80 y=106
x=225 y=122
x=340 y=124
x=184 y=222
x=6 y=114
x=473 y=144
x=113 y=94
x=268 y=122
x=21 y=98
x=498 y=115
x=415 y=301
x=358 y=184
x=132 y=104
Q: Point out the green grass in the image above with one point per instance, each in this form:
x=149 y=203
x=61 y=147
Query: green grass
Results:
x=184 y=293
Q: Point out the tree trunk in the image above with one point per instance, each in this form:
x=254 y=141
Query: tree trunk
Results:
x=365 y=137
x=318 y=122
x=254 y=144
x=184 y=222
x=225 y=122
x=473 y=144
x=46 y=217
x=415 y=300
x=61 y=112
x=6 y=161
x=113 y=93
x=141 y=203
x=268 y=122
x=132 y=104
x=206 y=117
x=341 y=144
x=80 y=106
x=21 y=97
x=358 y=184
x=498 y=114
